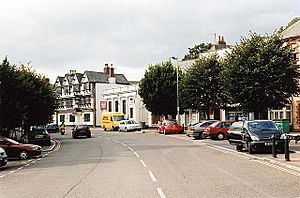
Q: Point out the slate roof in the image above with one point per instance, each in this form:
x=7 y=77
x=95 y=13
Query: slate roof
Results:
x=292 y=31
x=61 y=80
x=79 y=76
x=101 y=77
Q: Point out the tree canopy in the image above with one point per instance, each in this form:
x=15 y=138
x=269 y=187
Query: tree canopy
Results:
x=26 y=97
x=195 y=51
x=200 y=87
x=158 y=89
x=260 y=74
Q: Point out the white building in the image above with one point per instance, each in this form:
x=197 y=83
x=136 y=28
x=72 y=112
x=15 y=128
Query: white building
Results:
x=127 y=100
x=80 y=94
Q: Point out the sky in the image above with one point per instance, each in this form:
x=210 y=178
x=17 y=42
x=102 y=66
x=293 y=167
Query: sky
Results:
x=55 y=36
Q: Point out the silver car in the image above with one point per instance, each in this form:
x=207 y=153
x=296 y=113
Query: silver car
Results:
x=3 y=158
x=129 y=125
x=196 y=130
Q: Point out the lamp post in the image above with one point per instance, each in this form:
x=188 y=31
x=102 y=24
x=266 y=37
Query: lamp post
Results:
x=177 y=90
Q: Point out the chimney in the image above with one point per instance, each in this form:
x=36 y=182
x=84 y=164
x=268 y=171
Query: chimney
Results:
x=72 y=72
x=111 y=71
x=221 y=41
x=106 y=68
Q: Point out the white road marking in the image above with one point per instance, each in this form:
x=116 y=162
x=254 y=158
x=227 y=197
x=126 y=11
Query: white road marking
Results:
x=152 y=176
x=136 y=155
x=116 y=141
x=2 y=176
x=124 y=144
x=130 y=148
x=143 y=163
x=11 y=172
x=161 y=193
x=33 y=162
x=27 y=164
x=20 y=168
x=38 y=159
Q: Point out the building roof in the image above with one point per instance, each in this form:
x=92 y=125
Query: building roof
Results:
x=292 y=31
x=101 y=77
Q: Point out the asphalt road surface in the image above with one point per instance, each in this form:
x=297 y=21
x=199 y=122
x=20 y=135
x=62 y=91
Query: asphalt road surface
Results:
x=132 y=164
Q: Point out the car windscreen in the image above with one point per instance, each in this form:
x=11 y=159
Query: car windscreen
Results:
x=263 y=126
x=118 y=118
x=38 y=130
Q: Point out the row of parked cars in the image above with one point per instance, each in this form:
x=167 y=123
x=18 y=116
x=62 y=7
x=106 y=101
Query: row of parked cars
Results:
x=29 y=145
x=254 y=135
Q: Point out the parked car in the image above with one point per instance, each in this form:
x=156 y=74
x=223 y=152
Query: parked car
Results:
x=81 y=130
x=37 y=135
x=22 y=151
x=3 y=158
x=129 y=125
x=170 y=126
x=52 y=128
x=257 y=135
x=218 y=130
x=197 y=129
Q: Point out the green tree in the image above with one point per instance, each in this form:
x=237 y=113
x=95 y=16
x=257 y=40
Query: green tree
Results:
x=200 y=87
x=260 y=74
x=197 y=50
x=158 y=89
x=26 y=97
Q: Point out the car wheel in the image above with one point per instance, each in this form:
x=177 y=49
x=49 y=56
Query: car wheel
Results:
x=105 y=129
x=74 y=136
x=23 y=155
x=89 y=135
x=250 y=149
x=220 y=136
x=125 y=129
x=48 y=143
x=239 y=147
x=165 y=132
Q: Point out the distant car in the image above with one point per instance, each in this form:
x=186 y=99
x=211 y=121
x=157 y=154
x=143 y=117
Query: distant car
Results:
x=196 y=130
x=52 y=128
x=129 y=125
x=256 y=135
x=37 y=135
x=81 y=130
x=15 y=149
x=170 y=126
x=218 y=130
x=3 y=158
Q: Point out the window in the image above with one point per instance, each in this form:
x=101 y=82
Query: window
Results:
x=109 y=106
x=62 y=118
x=131 y=113
x=86 y=117
x=124 y=106
x=71 y=118
x=116 y=106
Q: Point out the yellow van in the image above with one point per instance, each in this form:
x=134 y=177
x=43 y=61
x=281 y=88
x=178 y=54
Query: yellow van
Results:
x=111 y=120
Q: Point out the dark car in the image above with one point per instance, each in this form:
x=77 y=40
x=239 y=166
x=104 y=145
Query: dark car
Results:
x=256 y=135
x=3 y=158
x=81 y=130
x=52 y=128
x=196 y=130
x=22 y=151
x=37 y=135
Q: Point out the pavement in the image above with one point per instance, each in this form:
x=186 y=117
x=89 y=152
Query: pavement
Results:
x=293 y=164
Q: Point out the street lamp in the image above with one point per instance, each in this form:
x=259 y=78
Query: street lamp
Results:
x=177 y=91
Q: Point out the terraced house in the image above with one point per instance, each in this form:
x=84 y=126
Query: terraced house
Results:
x=80 y=95
x=291 y=112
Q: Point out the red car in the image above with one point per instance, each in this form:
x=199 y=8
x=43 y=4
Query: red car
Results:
x=218 y=130
x=21 y=151
x=170 y=126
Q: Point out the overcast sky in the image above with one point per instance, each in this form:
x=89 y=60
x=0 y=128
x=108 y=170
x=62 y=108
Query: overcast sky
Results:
x=59 y=35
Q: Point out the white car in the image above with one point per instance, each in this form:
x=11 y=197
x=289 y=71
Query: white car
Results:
x=129 y=125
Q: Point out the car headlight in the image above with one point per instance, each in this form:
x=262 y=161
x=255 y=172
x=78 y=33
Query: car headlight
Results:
x=283 y=136
x=254 y=138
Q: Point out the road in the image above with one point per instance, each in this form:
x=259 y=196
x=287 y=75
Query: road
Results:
x=113 y=164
